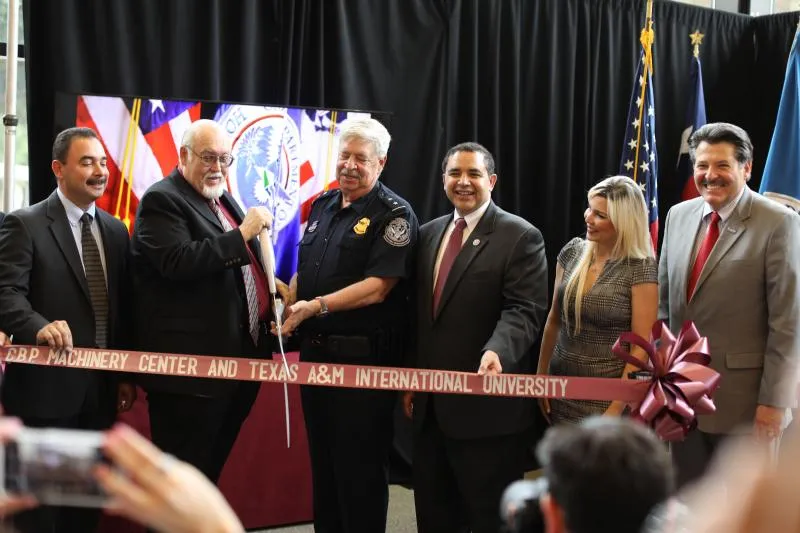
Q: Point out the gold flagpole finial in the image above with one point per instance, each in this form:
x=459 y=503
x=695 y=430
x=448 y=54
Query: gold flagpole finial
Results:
x=697 y=40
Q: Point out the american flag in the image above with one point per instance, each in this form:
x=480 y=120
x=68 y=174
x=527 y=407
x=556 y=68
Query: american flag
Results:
x=639 y=155
x=139 y=154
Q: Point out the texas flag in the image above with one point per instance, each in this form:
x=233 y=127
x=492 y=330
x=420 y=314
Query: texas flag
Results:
x=141 y=138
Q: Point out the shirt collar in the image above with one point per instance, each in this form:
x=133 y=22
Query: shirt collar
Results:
x=473 y=218
x=357 y=205
x=74 y=213
x=727 y=210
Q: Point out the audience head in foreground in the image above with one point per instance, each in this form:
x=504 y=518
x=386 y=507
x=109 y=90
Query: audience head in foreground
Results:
x=604 y=474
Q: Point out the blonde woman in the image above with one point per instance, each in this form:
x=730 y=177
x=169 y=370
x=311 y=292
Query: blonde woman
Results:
x=605 y=284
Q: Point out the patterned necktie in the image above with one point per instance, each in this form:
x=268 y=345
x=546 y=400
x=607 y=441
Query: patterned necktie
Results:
x=702 y=254
x=96 y=279
x=449 y=257
x=247 y=274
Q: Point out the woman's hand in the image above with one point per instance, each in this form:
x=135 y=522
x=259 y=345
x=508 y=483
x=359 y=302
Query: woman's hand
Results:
x=159 y=491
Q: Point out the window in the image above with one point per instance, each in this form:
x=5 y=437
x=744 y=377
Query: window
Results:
x=701 y=3
x=20 y=196
x=769 y=7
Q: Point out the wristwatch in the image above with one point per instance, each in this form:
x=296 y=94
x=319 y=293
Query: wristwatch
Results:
x=323 y=307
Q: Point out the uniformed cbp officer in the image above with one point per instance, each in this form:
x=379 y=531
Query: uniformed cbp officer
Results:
x=352 y=300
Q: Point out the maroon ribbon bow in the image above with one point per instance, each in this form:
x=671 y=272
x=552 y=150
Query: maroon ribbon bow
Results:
x=681 y=384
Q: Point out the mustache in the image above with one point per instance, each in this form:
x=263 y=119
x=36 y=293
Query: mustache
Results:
x=214 y=175
x=97 y=181
x=350 y=174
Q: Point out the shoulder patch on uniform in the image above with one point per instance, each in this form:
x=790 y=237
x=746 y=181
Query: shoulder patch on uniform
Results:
x=397 y=232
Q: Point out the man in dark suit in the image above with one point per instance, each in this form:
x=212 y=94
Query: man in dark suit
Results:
x=480 y=300
x=200 y=289
x=63 y=283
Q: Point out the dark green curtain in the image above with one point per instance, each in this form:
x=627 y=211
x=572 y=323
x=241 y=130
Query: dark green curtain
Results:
x=544 y=84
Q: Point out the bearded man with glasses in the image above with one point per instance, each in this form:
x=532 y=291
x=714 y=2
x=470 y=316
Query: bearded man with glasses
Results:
x=200 y=288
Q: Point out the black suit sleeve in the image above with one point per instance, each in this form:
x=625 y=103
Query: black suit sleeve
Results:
x=164 y=237
x=16 y=250
x=524 y=299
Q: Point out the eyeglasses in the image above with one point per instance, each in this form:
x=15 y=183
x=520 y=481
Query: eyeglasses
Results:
x=225 y=160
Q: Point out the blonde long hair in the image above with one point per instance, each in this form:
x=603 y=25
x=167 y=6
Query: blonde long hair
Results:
x=627 y=211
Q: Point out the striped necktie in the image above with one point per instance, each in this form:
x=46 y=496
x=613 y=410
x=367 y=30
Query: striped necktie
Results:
x=96 y=279
x=247 y=275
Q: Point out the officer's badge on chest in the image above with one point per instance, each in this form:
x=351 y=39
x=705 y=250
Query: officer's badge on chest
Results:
x=361 y=227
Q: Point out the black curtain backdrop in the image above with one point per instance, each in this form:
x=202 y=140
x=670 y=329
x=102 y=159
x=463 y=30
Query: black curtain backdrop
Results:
x=544 y=84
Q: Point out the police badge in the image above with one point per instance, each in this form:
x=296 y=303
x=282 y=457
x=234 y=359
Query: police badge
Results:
x=397 y=232
x=361 y=227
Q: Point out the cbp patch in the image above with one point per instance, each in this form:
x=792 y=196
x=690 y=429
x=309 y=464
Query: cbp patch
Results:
x=397 y=232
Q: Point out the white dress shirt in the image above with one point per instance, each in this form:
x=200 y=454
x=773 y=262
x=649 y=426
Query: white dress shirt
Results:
x=472 y=220
x=74 y=214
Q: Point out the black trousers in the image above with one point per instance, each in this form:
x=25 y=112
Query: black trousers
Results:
x=200 y=430
x=458 y=483
x=53 y=519
x=349 y=439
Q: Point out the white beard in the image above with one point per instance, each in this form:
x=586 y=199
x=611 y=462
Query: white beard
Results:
x=213 y=192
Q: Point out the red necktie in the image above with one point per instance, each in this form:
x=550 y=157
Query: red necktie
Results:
x=449 y=257
x=702 y=254
x=247 y=275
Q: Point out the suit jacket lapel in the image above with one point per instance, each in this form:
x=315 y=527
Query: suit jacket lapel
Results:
x=113 y=260
x=690 y=225
x=236 y=212
x=472 y=247
x=733 y=230
x=63 y=235
x=430 y=251
x=194 y=199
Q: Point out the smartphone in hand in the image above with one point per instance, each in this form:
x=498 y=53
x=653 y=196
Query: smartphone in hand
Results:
x=54 y=466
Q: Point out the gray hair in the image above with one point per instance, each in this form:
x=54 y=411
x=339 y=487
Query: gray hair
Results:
x=723 y=132
x=369 y=130
x=198 y=125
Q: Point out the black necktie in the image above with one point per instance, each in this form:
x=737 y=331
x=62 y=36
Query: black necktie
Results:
x=96 y=280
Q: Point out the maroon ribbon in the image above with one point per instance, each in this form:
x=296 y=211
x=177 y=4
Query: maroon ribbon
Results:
x=681 y=385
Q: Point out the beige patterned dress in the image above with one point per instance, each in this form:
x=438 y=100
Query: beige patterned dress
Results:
x=605 y=313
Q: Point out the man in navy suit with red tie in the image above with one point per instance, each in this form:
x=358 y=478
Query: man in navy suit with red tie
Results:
x=481 y=296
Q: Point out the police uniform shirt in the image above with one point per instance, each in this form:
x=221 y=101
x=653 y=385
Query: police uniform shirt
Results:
x=372 y=237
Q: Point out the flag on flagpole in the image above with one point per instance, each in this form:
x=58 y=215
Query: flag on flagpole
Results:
x=142 y=146
x=639 y=159
x=695 y=118
x=781 y=179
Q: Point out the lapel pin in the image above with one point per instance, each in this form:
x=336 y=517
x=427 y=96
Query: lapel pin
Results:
x=476 y=242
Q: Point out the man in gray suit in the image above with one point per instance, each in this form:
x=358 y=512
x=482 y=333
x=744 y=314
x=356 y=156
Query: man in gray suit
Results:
x=730 y=262
x=481 y=297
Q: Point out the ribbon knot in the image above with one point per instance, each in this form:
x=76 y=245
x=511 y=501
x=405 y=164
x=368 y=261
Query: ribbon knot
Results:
x=681 y=383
